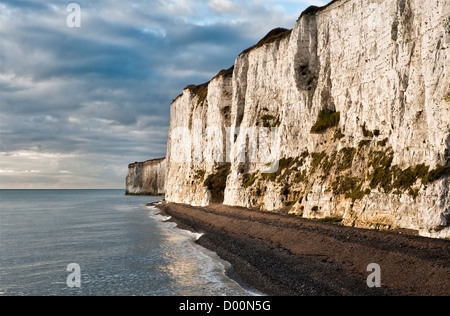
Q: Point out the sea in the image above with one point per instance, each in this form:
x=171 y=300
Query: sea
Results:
x=101 y=243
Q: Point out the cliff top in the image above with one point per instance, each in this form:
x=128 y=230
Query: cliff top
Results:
x=148 y=162
x=202 y=90
x=274 y=35
x=225 y=72
x=314 y=9
x=280 y=33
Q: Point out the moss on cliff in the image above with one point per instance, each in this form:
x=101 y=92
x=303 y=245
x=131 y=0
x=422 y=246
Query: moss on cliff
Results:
x=436 y=174
x=381 y=162
x=407 y=178
x=249 y=179
x=270 y=121
x=447 y=98
x=338 y=135
x=383 y=142
x=352 y=173
x=326 y=120
x=199 y=175
x=292 y=176
x=317 y=159
x=216 y=182
x=347 y=155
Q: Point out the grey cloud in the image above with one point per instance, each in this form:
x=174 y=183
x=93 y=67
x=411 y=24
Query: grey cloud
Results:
x=100 y=95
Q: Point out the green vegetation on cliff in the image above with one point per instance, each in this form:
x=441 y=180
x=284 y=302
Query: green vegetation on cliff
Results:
x=327 y=119
x=216 y=182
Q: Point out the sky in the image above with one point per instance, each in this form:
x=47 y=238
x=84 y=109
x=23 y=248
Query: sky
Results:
x=78 y=104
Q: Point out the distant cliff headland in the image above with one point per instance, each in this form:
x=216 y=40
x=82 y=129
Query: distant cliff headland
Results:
x=146 y=178
x=346 y=117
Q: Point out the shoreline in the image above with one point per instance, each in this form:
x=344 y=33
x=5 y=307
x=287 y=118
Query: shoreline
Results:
x=279 y=255
x=229 y=270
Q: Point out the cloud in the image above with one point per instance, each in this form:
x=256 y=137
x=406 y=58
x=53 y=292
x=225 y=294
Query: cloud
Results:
x=223 y=6
x=78 y=104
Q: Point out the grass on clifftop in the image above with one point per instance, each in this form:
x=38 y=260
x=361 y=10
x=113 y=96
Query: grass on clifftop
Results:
x=272 y=36
x=225 y=72
x=201 y=91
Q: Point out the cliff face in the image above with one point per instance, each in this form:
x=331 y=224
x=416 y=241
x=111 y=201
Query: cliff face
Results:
x=350 y=110
x=196 y=142
x=146 y=178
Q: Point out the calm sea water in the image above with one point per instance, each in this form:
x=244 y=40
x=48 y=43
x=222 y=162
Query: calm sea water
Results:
x=121 y=246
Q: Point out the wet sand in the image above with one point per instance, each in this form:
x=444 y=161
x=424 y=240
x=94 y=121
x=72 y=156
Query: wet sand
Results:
x=280 y=255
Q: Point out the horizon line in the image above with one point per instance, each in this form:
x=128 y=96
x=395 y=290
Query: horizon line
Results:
x=60 y=189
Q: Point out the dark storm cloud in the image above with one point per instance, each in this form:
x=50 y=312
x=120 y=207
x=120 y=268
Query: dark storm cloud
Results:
x=77 y=105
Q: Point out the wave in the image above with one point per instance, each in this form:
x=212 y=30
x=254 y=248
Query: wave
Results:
x=210 y=269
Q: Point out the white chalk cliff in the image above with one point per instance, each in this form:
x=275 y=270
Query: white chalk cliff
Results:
x=146 y=178
x=358 y=97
